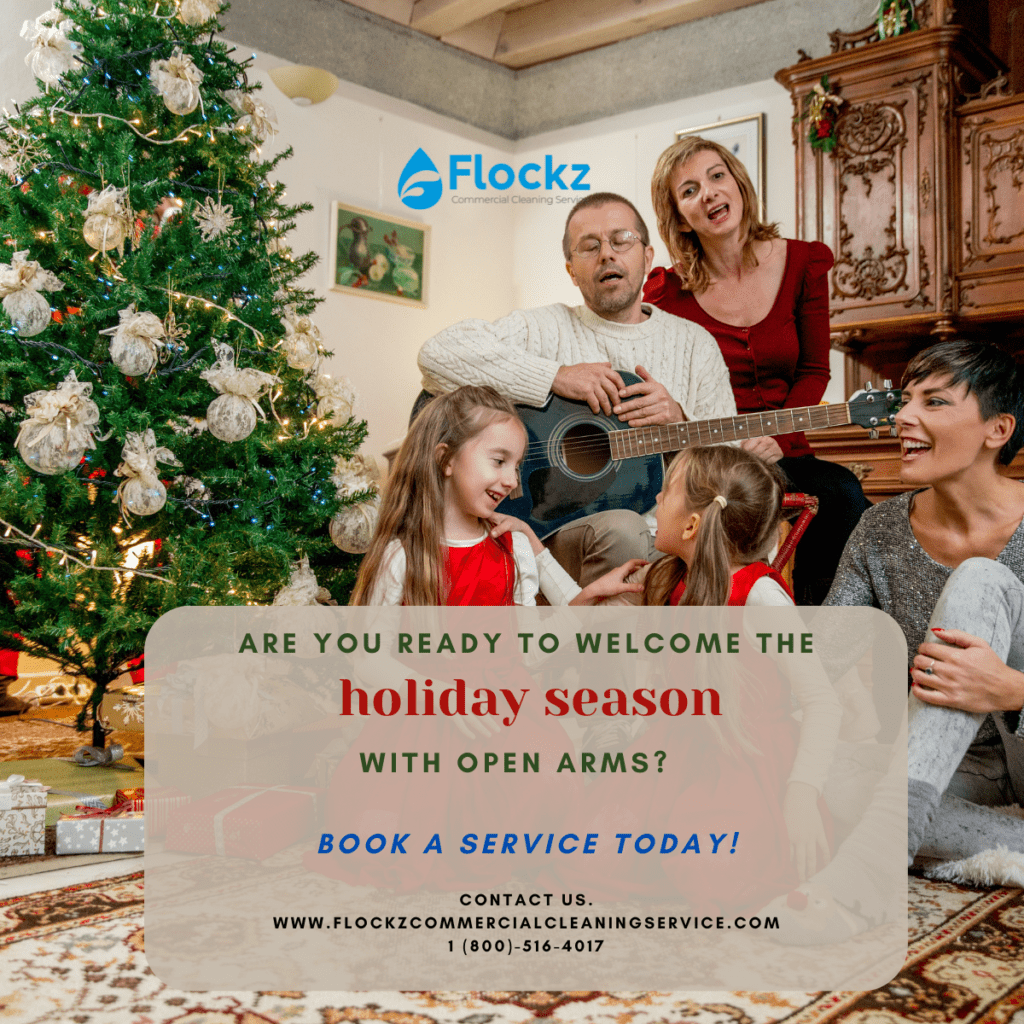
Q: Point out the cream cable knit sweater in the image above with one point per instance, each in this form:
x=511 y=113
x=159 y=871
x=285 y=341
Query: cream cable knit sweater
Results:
x=520 y=354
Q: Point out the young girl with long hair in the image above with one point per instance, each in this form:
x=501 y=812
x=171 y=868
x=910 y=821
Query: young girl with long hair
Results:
x=439 y=540
x=718 y=518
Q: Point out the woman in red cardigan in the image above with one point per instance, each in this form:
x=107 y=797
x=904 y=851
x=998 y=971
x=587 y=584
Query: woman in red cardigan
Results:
x=765 y=300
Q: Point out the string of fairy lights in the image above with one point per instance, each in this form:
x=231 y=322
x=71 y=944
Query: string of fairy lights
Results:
x=249 y=122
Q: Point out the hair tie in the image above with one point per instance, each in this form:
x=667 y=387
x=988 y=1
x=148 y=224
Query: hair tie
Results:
x=721 y=501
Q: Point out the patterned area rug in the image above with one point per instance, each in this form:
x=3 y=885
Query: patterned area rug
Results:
x=75 y=956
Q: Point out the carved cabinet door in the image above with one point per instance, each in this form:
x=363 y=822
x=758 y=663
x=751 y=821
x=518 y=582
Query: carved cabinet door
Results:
x=990 y=264
x=878 y=210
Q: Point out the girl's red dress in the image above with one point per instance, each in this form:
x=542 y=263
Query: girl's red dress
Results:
x=450 y=802
x=702 y=789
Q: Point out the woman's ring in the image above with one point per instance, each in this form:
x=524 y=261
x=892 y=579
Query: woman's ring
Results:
x=929 y=671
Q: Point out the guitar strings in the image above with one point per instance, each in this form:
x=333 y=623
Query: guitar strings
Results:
x=598 y=443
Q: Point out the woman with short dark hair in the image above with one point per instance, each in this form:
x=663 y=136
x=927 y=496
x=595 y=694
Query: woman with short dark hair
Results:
x=946 y=561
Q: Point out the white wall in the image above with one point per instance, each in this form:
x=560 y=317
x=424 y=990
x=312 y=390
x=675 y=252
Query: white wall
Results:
x=484 y=260
x=352 y=148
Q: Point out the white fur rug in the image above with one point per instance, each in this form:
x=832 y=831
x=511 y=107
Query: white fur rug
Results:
x=993 y=867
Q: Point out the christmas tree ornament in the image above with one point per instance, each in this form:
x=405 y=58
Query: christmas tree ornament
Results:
x=302 y=589
x=197 y=12
x=142 y=493
x=53 y=54
x=232 y=417
x=301 y=342
x=18 y=152
x=21 y=281
x=355 y=474
x=257 y=118
x=59 y=427
x=137 y=342
x=195 y=490
x=108 y=219
x=336 y=398
x=353 y=527
x=177 y=80
x=188 y=426
x=213 y=218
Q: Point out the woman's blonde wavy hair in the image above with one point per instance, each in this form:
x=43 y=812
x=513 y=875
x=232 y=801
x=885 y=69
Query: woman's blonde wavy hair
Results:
x=684 y=246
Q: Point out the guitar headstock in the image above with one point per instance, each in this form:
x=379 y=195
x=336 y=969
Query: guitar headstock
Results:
x=875 y=409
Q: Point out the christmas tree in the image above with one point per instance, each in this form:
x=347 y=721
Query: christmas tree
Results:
x=167 y=434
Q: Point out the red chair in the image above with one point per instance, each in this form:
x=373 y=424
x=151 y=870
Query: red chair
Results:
x=808 y=505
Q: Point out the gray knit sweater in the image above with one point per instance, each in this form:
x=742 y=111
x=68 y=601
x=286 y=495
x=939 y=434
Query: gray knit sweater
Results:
x=884 y=566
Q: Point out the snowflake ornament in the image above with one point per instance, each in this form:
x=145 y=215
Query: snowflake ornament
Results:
x=131 y=712
x=213 y=218
x=18 y=153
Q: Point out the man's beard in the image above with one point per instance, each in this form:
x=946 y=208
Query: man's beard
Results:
x=614 y=302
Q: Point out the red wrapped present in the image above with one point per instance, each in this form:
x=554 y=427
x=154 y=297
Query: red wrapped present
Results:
x=244 y=821
x=159 y=802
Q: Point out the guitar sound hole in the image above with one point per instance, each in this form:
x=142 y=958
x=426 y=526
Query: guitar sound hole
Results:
x=585 y=449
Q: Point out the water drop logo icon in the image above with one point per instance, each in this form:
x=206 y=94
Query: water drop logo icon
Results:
x=419 y=187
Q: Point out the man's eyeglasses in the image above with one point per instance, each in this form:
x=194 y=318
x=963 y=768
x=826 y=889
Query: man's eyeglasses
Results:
x=620 y=241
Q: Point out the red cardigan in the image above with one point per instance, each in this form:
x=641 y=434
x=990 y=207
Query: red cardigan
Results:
x=781 y=362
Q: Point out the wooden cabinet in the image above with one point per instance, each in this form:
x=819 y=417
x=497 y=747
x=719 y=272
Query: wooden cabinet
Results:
x=883 y=199
x=921 y=201
x=875 y=463
x=990 y=236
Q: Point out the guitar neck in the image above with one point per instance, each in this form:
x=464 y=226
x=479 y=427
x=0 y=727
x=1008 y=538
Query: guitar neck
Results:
x=671 y=437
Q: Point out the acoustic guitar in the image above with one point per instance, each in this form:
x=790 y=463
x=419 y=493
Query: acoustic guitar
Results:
x=579 y=462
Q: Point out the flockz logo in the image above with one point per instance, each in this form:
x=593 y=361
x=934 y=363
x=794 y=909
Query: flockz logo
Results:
x=420 y=184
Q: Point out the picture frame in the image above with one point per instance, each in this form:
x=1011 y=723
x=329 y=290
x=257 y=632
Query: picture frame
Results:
x=378 y=255
x=744 y=137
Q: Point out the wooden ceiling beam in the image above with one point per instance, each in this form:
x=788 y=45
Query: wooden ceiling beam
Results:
x=479 y=37
x=443 y=17
x=554 y=28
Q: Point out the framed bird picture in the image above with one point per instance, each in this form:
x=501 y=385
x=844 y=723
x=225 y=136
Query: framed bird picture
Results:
x=382 y=257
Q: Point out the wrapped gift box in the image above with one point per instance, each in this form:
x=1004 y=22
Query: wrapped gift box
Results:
x=102 y=832
x=72 y=784
x=124 y=709
x=160 y=801
x=244 y=821
x=22 y=817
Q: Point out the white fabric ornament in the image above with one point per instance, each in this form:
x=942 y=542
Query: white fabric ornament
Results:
x=301 y=342
x=355 y=474
x=136 y=342
x=353 y=527
x=195 y=489
x=257 y=117
x=213 y=218
x=198 y=12
x=189 y=426
x=21 y=281
x=142 y=493
x=52 y=54
x=59 y=427
x=302 y=589
x=232 y=417
x=108 y=219
x=336 y=398
x=177 y=80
